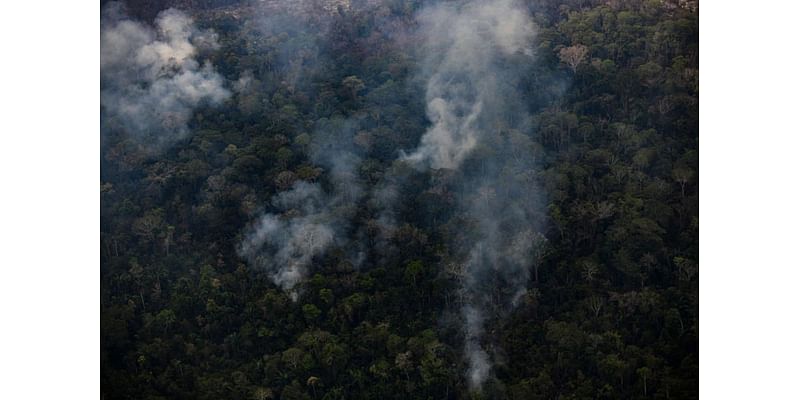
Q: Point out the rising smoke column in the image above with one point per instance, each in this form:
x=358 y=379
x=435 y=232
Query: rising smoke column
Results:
x=310 y=217
x=304 y=222
x=474 y=57
x=467 y=45
x=150 y=79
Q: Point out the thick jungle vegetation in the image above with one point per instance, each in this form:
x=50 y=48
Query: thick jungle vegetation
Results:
x=609 y=139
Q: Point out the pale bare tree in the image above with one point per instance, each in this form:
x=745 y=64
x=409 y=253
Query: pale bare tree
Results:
x=589 y=271
x=168 y=237
x=687 y=268
x=683 y=176
x=148 y=225
x=292 y=357
x=404 y=363
x=596 y=305
x=313 y=381
x=602 y=210
x=573 y=56
x=262 y=393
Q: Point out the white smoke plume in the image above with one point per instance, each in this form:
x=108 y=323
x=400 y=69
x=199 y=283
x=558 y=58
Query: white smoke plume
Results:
x=310 y=219
x=464 y=42
x=475 y=51
x=151 y=80
x=286 y=244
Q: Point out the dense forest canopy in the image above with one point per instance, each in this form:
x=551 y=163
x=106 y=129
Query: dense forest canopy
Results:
x=333 y=199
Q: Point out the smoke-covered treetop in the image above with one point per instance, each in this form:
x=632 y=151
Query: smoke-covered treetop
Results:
x=151 y=80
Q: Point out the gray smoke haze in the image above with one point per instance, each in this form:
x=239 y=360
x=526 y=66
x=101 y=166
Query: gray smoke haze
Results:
x=151 y=81
x=473 y=57
x=475 y=53
x=324 y=210
x=309 y=218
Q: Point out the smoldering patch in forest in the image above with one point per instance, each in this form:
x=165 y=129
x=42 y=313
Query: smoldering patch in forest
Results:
x=310 y=217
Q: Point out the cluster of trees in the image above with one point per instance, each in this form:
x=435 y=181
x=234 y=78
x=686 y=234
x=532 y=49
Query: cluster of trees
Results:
x=612 y=306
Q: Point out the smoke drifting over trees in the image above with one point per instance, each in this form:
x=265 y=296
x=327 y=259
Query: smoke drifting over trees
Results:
x=395 y=199
x=150 y=78
x=474 y=57
x=313 y=219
